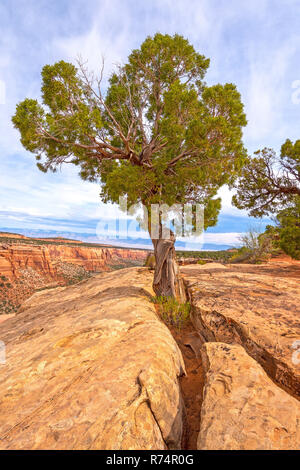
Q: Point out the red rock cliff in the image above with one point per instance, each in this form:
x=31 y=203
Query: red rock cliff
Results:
x=42 y=259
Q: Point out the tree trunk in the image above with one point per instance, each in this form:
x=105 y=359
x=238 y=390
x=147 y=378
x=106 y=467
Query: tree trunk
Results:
x=167 y=279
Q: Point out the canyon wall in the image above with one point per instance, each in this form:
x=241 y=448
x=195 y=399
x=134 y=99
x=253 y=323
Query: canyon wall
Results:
x=28 y=267
x=42 y=258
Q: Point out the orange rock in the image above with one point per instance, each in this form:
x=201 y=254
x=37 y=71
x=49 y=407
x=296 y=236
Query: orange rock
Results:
x=256 y=306
x=14 y=257
x=242 y=408
x=91 y=367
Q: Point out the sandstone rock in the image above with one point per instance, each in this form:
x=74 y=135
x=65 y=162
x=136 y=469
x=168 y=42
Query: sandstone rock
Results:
x=91 y=367
x=14 y=257
x=242 y=408
x=12 y=235
x=255 y=306
x=29 y=267
x=186 y=261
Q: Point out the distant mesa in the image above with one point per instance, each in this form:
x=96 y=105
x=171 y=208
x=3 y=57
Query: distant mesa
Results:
x=30 y=264
x=11 y=235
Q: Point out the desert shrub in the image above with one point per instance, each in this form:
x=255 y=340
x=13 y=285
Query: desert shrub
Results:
x=256 y=247
x=172 y=311
x=243 y=254
x=150 y=261
x=222 y=255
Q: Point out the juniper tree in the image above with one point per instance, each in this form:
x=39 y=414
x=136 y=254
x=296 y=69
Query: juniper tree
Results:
x=158 y=135
x=270 y=185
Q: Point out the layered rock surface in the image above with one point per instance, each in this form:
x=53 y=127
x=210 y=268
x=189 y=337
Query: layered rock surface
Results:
x=28 y=266
x=242 y=408
x=91 y=367
x=254 y=306
x=42 y=258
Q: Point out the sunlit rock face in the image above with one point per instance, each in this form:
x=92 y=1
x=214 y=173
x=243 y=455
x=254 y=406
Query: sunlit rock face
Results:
x=242 y=408
x=91 y=366
x=256 y=306
x=25 y=267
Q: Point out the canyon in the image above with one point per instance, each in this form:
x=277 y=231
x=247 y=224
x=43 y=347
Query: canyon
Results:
x=27 y=265
x=94 y=366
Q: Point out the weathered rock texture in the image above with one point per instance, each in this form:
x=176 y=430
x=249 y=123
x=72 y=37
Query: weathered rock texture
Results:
x=42 y=258
x=255 y=306
x=242 y=408
x=27 y=266
x=91 y=367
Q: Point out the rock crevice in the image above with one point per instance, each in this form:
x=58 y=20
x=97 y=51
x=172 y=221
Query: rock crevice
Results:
x=240 y=305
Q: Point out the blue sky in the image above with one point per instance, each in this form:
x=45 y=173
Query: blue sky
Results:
x=254 y=44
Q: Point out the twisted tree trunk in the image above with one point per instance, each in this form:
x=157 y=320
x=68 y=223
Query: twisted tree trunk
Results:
x=167 y=279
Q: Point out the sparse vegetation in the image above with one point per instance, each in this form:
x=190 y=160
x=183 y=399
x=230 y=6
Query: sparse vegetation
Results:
x=223 y=255
x=172 y=311
x=256 y=247
x=124 y=263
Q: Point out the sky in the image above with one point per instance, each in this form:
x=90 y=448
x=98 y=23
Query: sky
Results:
x=254 y=44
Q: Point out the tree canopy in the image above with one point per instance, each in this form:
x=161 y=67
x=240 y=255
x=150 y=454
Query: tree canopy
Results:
x=158 y=135
x=271 y=185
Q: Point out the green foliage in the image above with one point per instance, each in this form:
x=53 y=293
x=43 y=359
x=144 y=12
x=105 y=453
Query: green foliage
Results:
x=201 y=261
x=150 y=261
x=269 y=183
x=222 y=255
x=243 y=254
x=287 y=231
x=160 y=135
x=172 y=311
x=257 y=247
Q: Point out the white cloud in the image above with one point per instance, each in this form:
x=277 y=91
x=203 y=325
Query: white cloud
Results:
x=267 y=90
x=231 y=238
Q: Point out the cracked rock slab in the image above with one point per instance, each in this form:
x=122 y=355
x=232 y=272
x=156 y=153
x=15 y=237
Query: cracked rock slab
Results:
x=256 y=306
x=91 y=367
x=242 y=408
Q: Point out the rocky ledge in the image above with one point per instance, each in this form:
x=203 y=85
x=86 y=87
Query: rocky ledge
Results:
x=91 y=367
x=242 y=408
x=256 y=306
x=26 y=268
